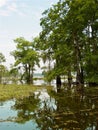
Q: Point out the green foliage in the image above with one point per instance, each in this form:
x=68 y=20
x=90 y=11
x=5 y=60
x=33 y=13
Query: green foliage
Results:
x=2 y=72
x=69 y=38
x=2 y=58
x=3 y=69
x=26 y=56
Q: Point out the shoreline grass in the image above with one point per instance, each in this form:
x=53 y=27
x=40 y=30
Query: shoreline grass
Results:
x=17 y=91
x=14 y=91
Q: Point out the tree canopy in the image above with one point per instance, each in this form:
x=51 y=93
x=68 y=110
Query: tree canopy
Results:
x=25 y=57
x=70 y=33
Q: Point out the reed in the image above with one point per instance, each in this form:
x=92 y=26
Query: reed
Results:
x=17 y=91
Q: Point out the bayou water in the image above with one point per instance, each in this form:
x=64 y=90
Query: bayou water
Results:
x=50 y=110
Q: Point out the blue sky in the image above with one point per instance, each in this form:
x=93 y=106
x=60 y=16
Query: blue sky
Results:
x=19 y=18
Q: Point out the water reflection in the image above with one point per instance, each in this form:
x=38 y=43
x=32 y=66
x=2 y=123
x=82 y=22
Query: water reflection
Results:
x=57 y=111
x=6 y=111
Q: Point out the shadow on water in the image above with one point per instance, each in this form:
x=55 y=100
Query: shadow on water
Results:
x=54 y=110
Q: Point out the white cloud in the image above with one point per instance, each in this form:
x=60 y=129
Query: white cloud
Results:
x=2 y=2
x=12 y=7
x=4 y=12
x=15 y=9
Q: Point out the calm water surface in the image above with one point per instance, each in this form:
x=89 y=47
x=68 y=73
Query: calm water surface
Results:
x=55 y=110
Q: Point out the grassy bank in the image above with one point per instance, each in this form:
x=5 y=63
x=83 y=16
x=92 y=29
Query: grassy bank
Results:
x=19 y=91
x=16 y=91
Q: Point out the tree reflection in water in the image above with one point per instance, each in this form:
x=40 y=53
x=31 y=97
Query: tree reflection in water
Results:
x=59 y=111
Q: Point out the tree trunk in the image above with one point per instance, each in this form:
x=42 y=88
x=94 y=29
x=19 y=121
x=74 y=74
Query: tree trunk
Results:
x=0 y=79
x=79 y=66
x=29 y=75
x=58 y=82
x=69 y=79
x=32 y=75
